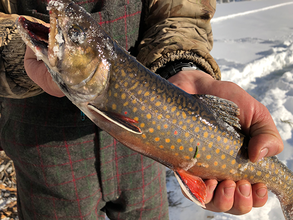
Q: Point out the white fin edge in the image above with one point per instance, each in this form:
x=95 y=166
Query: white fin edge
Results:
x=110 y=119
x=187 y=192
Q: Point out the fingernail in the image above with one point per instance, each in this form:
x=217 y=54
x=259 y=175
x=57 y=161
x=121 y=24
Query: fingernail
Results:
x=245 y=189
x=229 y=191
x=263 y=153
x=212 y=188
x=261 y=192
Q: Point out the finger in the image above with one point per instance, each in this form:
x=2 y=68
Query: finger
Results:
x=265 y=139
x=38 y=72
x=223 y=197
x=242 y=198
x=259 y=194
x=211 y=186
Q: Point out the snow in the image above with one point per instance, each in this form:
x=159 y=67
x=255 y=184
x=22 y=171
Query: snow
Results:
x=253 y=45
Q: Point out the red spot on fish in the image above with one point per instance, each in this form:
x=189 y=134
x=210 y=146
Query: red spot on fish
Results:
x=175 y=132
x=198 y=143
x=125 y=113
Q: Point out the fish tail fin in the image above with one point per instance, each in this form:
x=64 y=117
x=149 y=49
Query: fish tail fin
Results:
x=193 y=187
x=287 y=210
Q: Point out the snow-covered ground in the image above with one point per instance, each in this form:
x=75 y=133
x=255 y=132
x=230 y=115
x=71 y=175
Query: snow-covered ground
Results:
x=253 y=45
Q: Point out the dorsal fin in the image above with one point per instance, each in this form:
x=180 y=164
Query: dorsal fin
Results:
x=223 y=108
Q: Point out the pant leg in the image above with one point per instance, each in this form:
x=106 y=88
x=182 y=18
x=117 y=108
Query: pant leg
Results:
x=55 y=163
x=65 y=171
x=133 y=186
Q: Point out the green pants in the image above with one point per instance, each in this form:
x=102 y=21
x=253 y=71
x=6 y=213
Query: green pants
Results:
x=67 y=168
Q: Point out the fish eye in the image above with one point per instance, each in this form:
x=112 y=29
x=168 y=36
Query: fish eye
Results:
x=76 y=34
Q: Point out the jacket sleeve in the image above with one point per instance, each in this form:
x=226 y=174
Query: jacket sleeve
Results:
x=14 y=82
x=176 y=30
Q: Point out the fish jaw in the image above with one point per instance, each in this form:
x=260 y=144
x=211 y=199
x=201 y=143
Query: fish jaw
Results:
x=38 y=44
x=73 y=49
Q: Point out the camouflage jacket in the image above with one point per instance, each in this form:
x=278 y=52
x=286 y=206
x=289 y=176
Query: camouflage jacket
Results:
x=155 y=31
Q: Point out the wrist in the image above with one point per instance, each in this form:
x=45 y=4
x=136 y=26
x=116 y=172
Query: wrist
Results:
x=172 y=68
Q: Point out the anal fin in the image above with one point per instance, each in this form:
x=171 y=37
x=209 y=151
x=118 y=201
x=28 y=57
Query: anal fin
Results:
x=193 y=186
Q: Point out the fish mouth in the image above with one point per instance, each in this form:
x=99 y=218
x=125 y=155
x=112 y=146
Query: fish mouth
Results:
x=46 y=41
x=36 y=34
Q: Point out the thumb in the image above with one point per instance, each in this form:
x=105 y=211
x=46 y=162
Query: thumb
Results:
x=39 y=73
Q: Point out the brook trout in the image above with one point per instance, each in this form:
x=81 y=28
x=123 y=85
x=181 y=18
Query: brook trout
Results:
x=194 y=135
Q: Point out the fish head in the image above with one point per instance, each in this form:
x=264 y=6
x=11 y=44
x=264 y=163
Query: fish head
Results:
x=75 y=51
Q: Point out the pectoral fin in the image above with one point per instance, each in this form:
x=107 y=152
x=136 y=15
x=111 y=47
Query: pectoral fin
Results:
x=193 y=186
x=120 y=120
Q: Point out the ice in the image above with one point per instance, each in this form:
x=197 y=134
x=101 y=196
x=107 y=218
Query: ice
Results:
x=53 y=4
x=59 y=38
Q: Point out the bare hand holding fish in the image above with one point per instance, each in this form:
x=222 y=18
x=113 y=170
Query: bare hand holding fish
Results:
x=39 y=73
x=255 y=120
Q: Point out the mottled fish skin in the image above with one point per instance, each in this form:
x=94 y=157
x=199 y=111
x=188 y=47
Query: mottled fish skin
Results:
x=174 y=124
x=152 y=116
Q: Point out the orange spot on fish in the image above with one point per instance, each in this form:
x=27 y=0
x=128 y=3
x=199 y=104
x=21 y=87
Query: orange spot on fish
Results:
x=216 y=163
x=157 y=139
x=172 y=147
x=161 y=146
x=151 y=130
x=184 y=115
x=208 y=157
x=187 y=157
x=190 y=149
x=181 y=148
x=167 y=140
x=158 y=103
